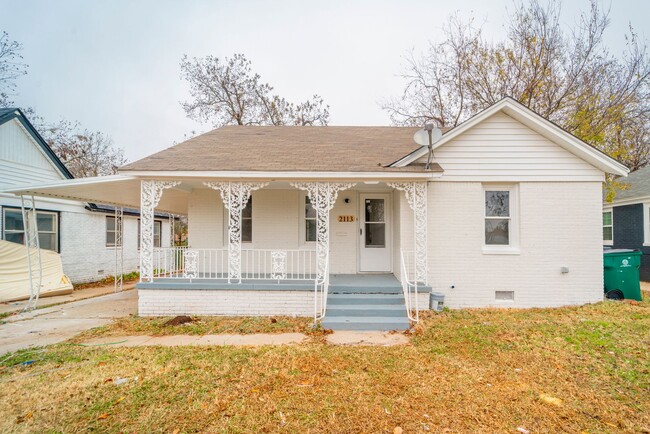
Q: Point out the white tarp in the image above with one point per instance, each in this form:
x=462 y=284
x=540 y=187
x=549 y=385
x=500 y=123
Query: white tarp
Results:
x=14 y=275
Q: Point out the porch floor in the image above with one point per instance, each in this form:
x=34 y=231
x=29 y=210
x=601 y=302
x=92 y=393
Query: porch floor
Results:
x=339 y=284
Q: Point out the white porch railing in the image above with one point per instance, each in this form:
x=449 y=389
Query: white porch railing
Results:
x=256 y=264
x=410 y=284
x=168 y=261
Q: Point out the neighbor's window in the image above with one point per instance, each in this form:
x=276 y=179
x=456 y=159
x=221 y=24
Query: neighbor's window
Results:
x=498 y=221
x=247 y=222
x=47 y=222
x=111 y=232
x=608 y=227
x=310 y=220
x=157 y=230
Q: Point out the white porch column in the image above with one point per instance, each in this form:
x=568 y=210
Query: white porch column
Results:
x=235 y=196
x=416 y=195
x=150 y=193
x=322 y=196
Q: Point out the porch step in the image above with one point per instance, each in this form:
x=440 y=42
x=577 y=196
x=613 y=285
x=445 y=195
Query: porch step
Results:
x=364 y=310
x=379 y=312
x=375 y=289
x=369 y=323
x=365 y=299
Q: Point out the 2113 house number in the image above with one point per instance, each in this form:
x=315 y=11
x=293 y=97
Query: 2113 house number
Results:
x=346 y=218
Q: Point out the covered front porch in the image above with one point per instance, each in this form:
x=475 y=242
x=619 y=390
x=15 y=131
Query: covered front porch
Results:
x=273 y=246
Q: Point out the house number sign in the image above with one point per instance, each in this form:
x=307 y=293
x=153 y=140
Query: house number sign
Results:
x=346 y=218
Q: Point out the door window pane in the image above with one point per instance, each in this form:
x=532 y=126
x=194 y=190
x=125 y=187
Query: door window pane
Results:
x=374 y=210
x=496 y=232
x=375 y=234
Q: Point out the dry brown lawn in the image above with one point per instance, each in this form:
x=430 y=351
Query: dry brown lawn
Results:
x=200 y=325
x=577 y=369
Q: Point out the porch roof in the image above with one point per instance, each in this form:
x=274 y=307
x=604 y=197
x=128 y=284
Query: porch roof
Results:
x=288 y=149
x=116 y=190
x=124 y=190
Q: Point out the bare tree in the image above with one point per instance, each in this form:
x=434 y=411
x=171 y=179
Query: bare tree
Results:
x=11 y=67
x=567 y=76
x=227 y=92
x=85 y=153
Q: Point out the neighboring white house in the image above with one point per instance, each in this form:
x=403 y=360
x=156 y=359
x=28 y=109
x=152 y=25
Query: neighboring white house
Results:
x=345 y=222
x=79 y=231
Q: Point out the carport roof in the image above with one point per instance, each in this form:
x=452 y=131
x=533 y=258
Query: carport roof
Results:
x=116 y=190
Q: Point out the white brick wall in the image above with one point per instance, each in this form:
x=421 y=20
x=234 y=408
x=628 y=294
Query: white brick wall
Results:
x=84 y=254
x=170 y=302
x=560 y=226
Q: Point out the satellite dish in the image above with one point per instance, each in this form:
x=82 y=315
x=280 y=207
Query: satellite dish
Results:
x=421 y=137
x=436 y=134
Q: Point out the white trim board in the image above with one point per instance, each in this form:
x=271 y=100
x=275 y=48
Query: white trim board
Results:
x=273 y=176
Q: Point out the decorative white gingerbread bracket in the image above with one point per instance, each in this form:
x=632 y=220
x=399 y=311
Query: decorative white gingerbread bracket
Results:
x=235 y=196
x=150 y=193
x=416 y=196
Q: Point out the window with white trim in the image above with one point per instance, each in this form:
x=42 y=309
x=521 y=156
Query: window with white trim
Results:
x=111 y=232
x=500 y=225
x=247 y=222
x=47 y=222
x=497 y=218
x=608 y=227
x=310 y=221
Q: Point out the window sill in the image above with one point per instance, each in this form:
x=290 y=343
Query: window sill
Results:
x=501 y=250
x=611 y=243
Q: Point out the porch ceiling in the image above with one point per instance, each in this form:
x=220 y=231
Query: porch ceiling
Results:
x=117 y=190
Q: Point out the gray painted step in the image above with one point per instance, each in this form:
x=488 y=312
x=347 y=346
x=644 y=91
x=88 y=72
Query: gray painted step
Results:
x=380 y=312
x=363 y=310
x=351 y=299
x=371 y=323
x=344 y=289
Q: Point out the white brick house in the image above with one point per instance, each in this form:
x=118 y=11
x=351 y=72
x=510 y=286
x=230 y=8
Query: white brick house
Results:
x=344 y=222
x=77 y=230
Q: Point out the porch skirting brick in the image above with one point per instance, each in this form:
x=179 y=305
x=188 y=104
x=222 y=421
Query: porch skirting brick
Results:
x=171 y=302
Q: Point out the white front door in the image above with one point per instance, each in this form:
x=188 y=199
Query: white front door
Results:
x=375 y=235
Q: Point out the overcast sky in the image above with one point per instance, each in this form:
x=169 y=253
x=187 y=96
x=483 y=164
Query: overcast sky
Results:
x=114 y=65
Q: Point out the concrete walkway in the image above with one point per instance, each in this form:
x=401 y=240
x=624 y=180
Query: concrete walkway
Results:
x=350 y=337
x=59 y=323
x=251 y=340
x=76 y=295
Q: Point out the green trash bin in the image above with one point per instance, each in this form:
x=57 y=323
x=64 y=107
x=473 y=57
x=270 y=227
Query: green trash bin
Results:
x=622 y=274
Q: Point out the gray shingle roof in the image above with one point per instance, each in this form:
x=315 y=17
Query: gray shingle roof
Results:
x=639 y=185
x=285 y=148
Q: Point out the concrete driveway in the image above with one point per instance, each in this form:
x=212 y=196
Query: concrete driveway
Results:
x=59 y=323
